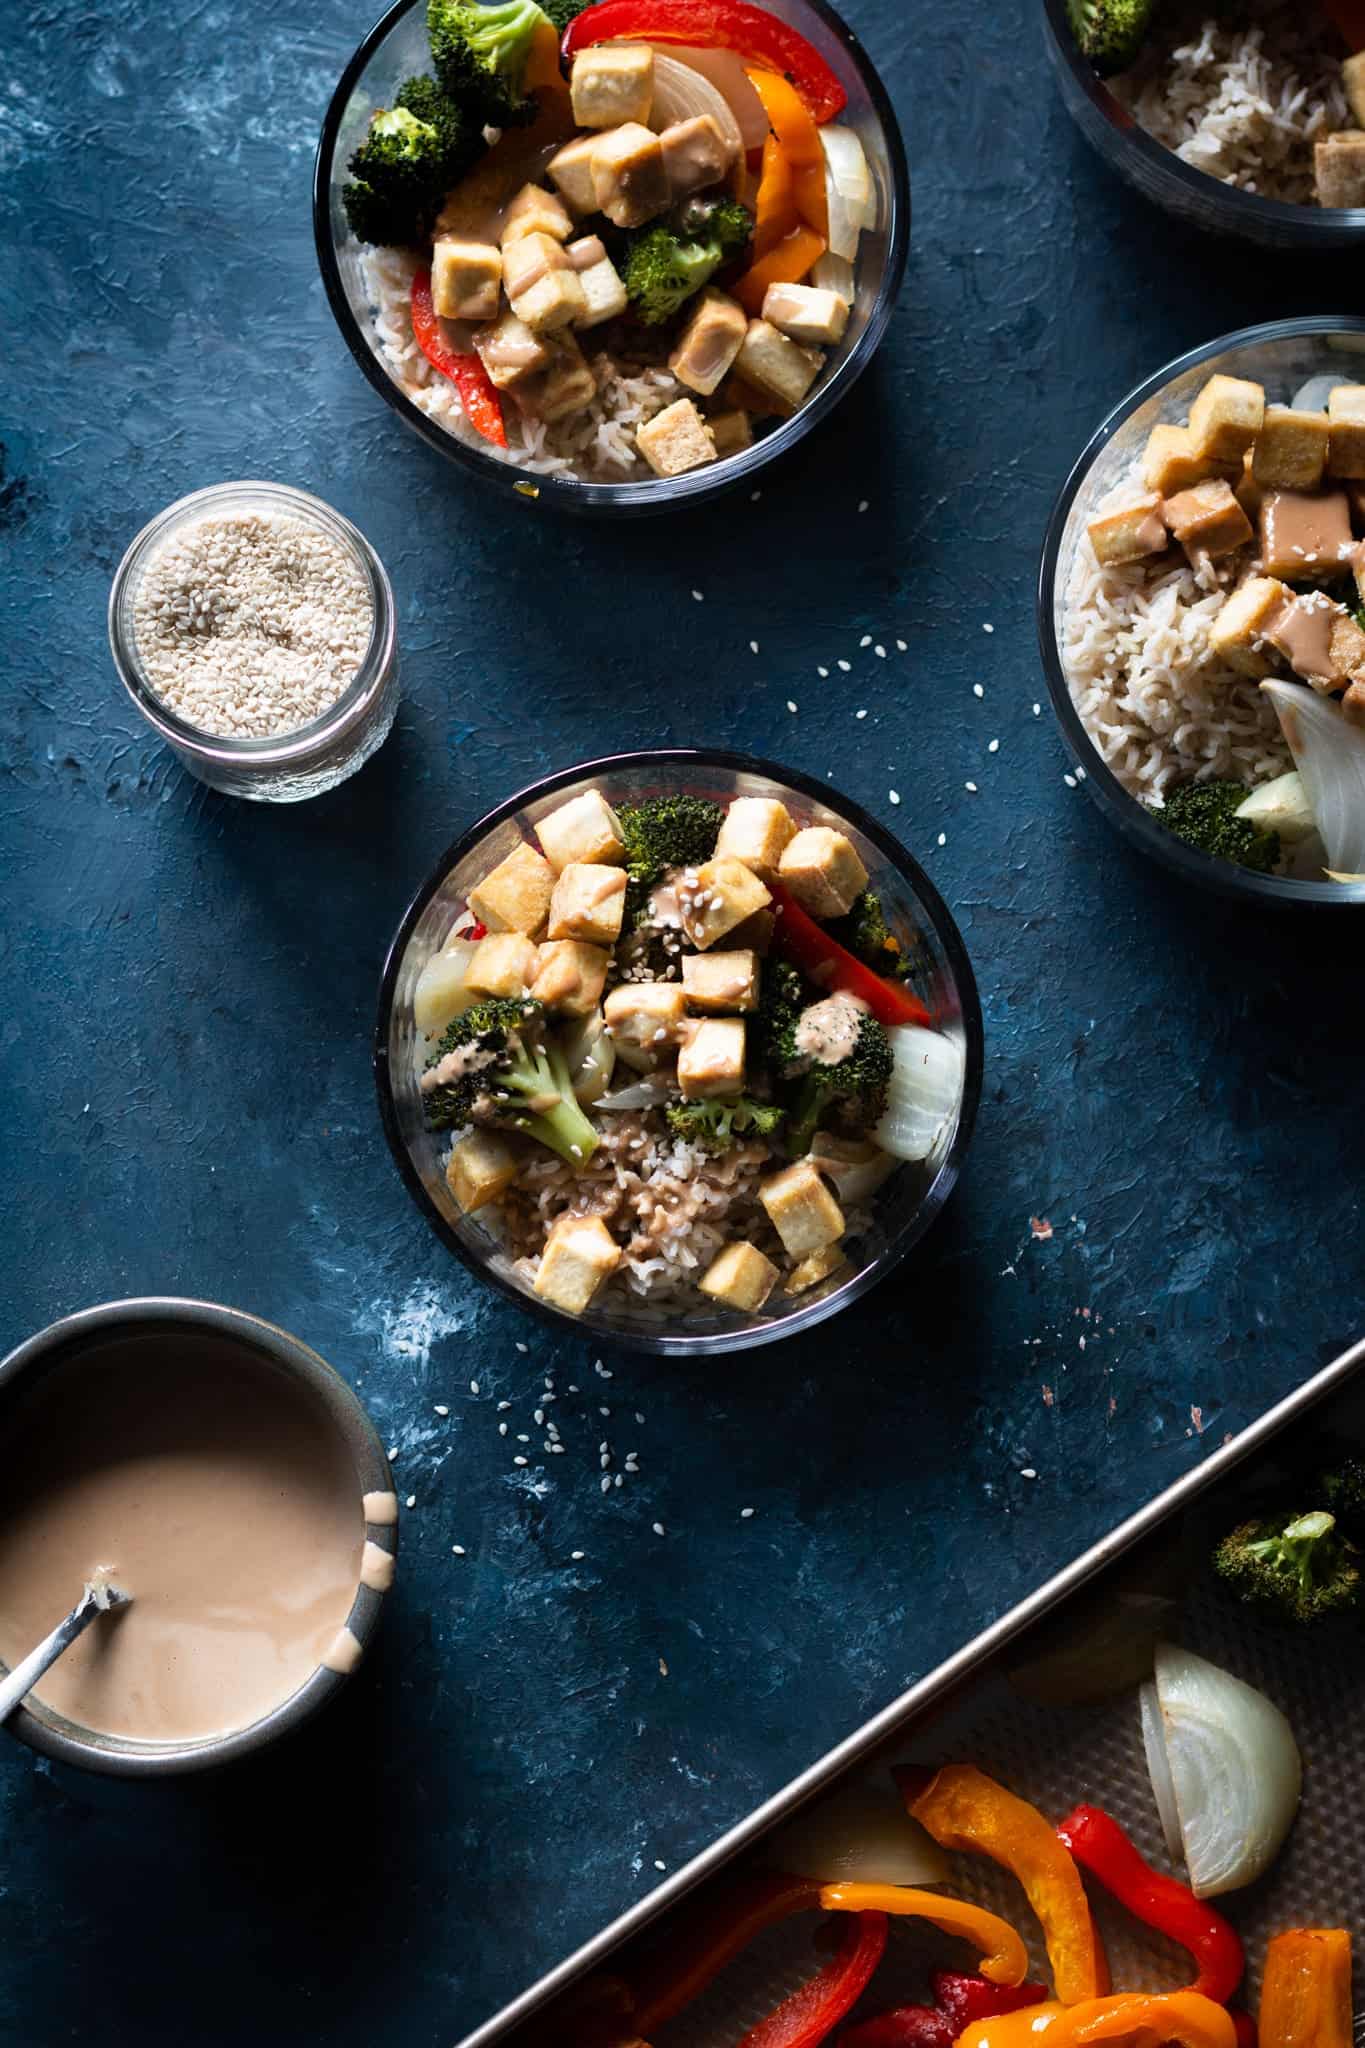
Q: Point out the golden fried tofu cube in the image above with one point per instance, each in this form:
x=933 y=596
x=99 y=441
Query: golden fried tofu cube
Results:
x=817 y=1267
x=1226 y=417
x=535 y=211
x=803 y=1212
x=466 y=279
x=603 y=292
x=712 y=1061
x=806 y=313
x=515 y=897
x=823 y=871
x=628 y=179
x=772 y=363
x=740 y=1277
x=709 y=343
x=504 y=964
x=675 y=440
x=543 y=287
x=612 y=83
x=588 y=903
x=647 y=1021
x=1353 y=79
x=571 y=169
x=1304 y=629
x=1348 y=648
x=695 y=155
x=756 y=830
x=510 y=352
x=1171 y=462
x=1339 y=168
x=1346 y=428
x=579 y=1258
x=722 y=895
x=717 y=982
x=730 y=432
x=568 y=383
x=1130 y=533
x=481 y=1167
x=571 y=976
x=1305 y=536
x=1291 y=449
x=1353 y=705
x=1237 y=635
x=584 y=829
x=1207 y=519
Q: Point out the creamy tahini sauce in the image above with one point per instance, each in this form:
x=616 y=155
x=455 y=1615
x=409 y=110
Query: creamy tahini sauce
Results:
x=1302 y=629
x=210 y=1488
x=828 y=1030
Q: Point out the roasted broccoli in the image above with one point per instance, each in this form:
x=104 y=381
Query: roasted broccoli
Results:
x=869 y=938
x=412 y=155
x=852 y=1090
x=482 y=54
x=1204 y=815
x=716 y=1125
x=783 y=995
x=671 y=259
x=665 y=832
x=562 y=12
x=1110 y=32
x=1296 y=1570
x=495 y=1065
x=1343 y=1492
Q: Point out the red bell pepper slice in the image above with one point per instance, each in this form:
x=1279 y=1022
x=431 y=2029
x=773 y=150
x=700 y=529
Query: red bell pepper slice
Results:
x=754 y=34
x=831 y=966
x=1100 y=1846
x=1349 y=18
x=959 y=2001
x=811 y=2014
x=478 y=394
x=1248 y=2034
x=711 y=1937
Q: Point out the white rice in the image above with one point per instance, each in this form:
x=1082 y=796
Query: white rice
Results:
x=1246 y=103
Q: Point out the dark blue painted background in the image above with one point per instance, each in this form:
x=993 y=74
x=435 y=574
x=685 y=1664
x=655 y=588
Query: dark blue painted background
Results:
x=189 y=987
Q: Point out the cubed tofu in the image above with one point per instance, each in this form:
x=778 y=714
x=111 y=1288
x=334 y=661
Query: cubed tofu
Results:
x=1207 y=519
x=731 y=432
x=567 y=384
x=571 y=976
x=771 y=362
x=1305 y=629
x=1171 y=462
x=571 y=169
x=1237 y=635
x=535 y=211
x=1226 y=417
x=823 y=871
x=543 y=287
x=1339 y=168
x=695 y=155
x=743 y=396
x=612 y=83
x=723 y=893
x=811 y=1271
x=805 y=313
x=712 y=1061
x=588 y=903
x=756 y=830
x=675 y=440
x=709 y=343
x=647 y=1021
x=1353 y=705
x=1129 y=533
x=1291 y=449
x=628 y=179
x=1353 y=79
x=481 y=1167
x=466 y=279
x=584 y=829
x=503 y=964
x=509 y=351
x=740 y=1277
x=579 y=1258
x=1304 y=537
x=604 y=295
x=1348 y=648
x=715 y=983
x=1346 y=428
x=803 y=1212
x=516 y=896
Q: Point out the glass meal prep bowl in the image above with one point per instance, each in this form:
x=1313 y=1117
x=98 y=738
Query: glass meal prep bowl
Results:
x=396 y=48
x=902 y=1208
x=1159 y=174
x=1283 y=355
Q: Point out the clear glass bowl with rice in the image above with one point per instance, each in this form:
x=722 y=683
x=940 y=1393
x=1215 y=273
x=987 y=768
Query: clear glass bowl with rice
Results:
x=1146 y=702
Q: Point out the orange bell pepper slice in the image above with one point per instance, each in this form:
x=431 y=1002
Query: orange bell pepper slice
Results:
x=699 y=1950
x=775 y=200
x=1185 y=2018
x=1004 y=1959
x=964 y=1809
x=1306 y=1989
x=791 y=123
x=787 y=263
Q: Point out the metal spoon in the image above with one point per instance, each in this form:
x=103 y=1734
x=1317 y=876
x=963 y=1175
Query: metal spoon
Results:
x=101 y=1596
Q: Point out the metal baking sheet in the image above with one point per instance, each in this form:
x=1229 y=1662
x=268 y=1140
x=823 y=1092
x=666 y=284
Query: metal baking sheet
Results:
x=980 y=1706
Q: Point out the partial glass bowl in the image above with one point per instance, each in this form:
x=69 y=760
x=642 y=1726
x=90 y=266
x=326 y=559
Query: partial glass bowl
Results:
x=396 y=47
x=902 y=1209
x=1283 y=355
x=1159 y=174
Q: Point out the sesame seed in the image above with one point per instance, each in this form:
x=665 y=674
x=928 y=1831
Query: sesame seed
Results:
x=1037 y=710
x=988 y=628
x=659 y=1863
x=697 y=597
x=745 y=1514
x=977 y=690
x=866 y=640
x=1080 y=773
x=441 y=1409
x=602 y=1371
x=754 y=497
x=753 y=647
x=412 y=1500
x=393 y=1452
x=943 y=838
x=860 y=714
x=522 y=1348
x=1027 y=1472
x=639 y=1418
x=606 y=1482
x=902 y=645
x=604 y=1411
x=502 y=1429
x=503 y=1405
x=617 y=1480
x=1070 y=781
x=821 y=671
x=971 y=786
x=862 y=504
x=894 y=795
x=556 y=1450
x=658 y=1528
x=790 y=704
x=457 y=1550
x=994 y=747
x=519 y=1460
x=473 y=1386
x=578 y=1555
x=523 y=1438
x=846 y=667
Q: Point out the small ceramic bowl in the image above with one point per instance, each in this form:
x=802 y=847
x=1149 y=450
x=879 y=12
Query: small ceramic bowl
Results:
x=161 y=1321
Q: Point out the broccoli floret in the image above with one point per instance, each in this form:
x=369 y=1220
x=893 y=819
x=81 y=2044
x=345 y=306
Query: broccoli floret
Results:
x=413 y=154
x=852 y=1091
x=1110 y=32
x=716 y=1125
x=665 y=832
x=669 y=261
x=1343 y=1490
x=510 y=1073
x=481 y=55
x=869 y=938
x=562 y=12
x=1204 y=815
x=783 y=995
x=1297 y=1570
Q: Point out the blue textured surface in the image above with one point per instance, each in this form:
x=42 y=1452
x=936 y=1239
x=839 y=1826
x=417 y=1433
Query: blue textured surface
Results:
x=187 y=1101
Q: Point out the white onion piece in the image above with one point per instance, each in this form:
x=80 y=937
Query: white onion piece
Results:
x=1159 y=1768
x=1313 y=396
x=861 y=1835
x=1329 y=753
x=725 y=70
x=926 y=1087
x=591 y=1058
x=830 y=273
x=641 y=1094
x=1235 y=1771
x=681 y=93
x=848 y=189
x=441 y=993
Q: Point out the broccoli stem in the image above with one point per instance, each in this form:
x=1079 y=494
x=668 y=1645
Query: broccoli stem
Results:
x=564 y=1129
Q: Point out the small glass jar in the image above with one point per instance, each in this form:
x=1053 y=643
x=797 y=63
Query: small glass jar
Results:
x=285 y=767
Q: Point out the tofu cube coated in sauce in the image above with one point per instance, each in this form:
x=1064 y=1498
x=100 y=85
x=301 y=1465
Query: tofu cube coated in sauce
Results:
x=695 y=155
x=1171 y=462
x=628 y=179
x=542 y=285
x=481 y=1167
x=740 y=1277
x=1129 y=534
x=510 y=352
x=571 y=976
x=647 y=1021
x=731 y=432
x=1353 y=705
x=579 y=1258
x=1348 y=648
x=612 y=83
x=1339 y=168
x=801 y=1209
x=722 y=895
x=805 y=313
x=1291 y=449
x=712 y=1061
x=1353 y=79
x=603 y=292
x=571 y=169
x=1304 y=537
x=756 y=830
x=816 y=1267
x=823 y=870
x=709 y=343
x=1207 y=520
x=515 y=897
x=588 y=902
x=718 y=982
x=1307 y=630
x=773 y=363
x=466 y=279
x=1226 y=418
x=675 y=440
x=566 y=385
x=1346 y=428
x=1238 y=632
x=535 y=211
x=504 y=964
x=584 y=829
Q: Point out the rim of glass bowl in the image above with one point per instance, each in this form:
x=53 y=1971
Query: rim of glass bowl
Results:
x=928 y=902
x=1133 y=820
x=659 y=494
x=276 y=749
x=1242 y=212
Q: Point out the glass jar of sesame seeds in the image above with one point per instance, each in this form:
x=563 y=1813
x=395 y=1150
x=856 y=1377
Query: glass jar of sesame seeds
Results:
x=253 y=627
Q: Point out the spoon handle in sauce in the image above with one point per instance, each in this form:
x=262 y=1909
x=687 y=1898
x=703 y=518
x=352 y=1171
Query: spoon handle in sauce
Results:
x=94 y=1601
